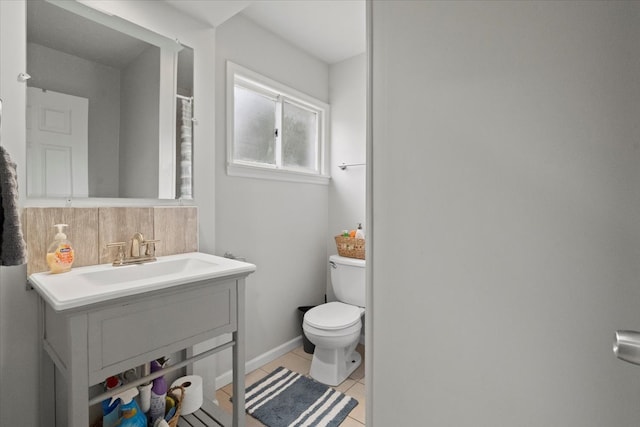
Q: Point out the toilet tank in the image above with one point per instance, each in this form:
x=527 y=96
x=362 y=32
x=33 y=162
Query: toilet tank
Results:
x=348 y=279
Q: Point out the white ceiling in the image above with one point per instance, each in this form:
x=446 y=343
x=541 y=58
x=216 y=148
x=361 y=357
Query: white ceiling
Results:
x=331 y=30
x=56 y=28
x=211 y=12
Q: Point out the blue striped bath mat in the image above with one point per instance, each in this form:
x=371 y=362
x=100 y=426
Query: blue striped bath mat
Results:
x=286 y=399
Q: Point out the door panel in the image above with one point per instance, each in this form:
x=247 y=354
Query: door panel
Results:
x=57 y=144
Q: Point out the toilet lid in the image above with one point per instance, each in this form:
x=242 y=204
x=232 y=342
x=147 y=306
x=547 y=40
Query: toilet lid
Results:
x=333 y=315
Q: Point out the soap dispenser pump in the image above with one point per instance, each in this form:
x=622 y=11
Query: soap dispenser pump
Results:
x=60 y=254
x=132 y=416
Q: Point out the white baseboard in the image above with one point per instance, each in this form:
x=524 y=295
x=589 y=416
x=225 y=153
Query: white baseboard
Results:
x=264 y=358
x=261 y=360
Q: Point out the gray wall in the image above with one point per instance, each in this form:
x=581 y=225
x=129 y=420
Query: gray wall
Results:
x=279 y=226
x=60 y=72
x=140 y=137
x=18 y=314
x=347 y=190
x=506 y=183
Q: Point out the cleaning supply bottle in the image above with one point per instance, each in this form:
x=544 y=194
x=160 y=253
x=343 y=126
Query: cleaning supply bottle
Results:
x=60 y=254
x=110 y=407
x=145 y=397
x=158 y=394
x=132 y=416
x=359 y=232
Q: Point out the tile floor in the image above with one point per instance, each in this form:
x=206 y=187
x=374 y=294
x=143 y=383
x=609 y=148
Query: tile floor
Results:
x=299 y=361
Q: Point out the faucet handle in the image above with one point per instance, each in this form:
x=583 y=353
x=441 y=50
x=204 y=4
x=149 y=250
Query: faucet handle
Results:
x=151 y=247
x=119 y=260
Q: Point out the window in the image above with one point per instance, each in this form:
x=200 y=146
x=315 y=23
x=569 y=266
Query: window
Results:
x=273 y=131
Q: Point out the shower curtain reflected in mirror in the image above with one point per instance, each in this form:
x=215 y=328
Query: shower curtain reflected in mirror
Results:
x=185 y=122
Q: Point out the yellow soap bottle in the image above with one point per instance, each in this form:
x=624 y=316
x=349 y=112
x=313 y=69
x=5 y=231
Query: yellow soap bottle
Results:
x=60 y=254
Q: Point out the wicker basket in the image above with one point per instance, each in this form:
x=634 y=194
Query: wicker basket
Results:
x=173 y=422
x=350 y=247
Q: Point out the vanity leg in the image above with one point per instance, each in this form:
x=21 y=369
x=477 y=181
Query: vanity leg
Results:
x=239 y=359
x=78 y=373
x=46 y=376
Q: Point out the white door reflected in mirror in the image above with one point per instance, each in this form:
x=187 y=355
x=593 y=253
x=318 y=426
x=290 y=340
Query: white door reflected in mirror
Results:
x=57 y=144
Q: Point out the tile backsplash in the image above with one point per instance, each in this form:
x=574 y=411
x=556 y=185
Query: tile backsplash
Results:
x=90 y=229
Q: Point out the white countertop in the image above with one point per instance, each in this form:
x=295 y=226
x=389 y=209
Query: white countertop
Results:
x=84 y=286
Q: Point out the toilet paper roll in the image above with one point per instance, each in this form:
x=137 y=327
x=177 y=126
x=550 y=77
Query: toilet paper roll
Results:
x=192 y=399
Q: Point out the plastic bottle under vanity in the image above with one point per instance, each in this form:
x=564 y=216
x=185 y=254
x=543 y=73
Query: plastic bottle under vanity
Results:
x=158 y=394
x=132 y=416
x=110 y=407
x=145 y=398
x=60 y=254
x=144 y=390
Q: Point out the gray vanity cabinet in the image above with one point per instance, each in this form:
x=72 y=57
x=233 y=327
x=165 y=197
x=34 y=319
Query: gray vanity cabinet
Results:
x=90 y=343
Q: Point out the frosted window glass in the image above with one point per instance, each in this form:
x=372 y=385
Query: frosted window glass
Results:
x=299 y=140
x=254 y=127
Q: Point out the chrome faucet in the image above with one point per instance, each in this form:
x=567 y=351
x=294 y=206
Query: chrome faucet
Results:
x=141 y=251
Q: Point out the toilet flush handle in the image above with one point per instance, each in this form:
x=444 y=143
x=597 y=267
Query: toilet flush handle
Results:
x=333 y=264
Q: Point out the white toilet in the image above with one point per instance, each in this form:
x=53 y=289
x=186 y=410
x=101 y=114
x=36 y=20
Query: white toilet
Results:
x=335 y=327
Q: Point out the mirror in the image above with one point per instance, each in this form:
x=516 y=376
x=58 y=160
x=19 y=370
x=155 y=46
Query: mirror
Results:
x=109 y=106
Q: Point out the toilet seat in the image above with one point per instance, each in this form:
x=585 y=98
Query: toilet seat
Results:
x=333 y=316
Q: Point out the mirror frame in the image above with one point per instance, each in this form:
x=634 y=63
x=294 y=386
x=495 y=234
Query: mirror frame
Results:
x=167 y=164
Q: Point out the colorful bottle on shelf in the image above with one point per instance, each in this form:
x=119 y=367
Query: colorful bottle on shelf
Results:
x=110 y=407
x=158 y=394
x=132 y=416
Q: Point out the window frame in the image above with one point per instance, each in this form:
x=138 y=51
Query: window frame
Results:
x=263 y=85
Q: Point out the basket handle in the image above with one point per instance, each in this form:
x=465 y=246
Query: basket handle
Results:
x=182 y=391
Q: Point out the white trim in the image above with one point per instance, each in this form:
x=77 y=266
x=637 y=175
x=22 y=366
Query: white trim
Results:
x=263 y=84
x=103 y=201
x=248 y=171
x=261 y=360
x=369 y=327
x=269 y=85
x=269 y=356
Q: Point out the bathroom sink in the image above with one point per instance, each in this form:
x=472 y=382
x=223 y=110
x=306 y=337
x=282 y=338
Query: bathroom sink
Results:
x=84 y=286
x=152 y=270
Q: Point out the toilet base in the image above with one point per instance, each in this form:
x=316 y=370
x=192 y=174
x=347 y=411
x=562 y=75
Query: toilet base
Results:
x=333 y=366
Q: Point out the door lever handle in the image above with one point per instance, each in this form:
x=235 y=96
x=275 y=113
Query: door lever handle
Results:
x=627 y=346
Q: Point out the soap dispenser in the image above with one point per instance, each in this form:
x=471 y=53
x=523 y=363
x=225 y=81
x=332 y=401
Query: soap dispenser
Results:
x=60 y=254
